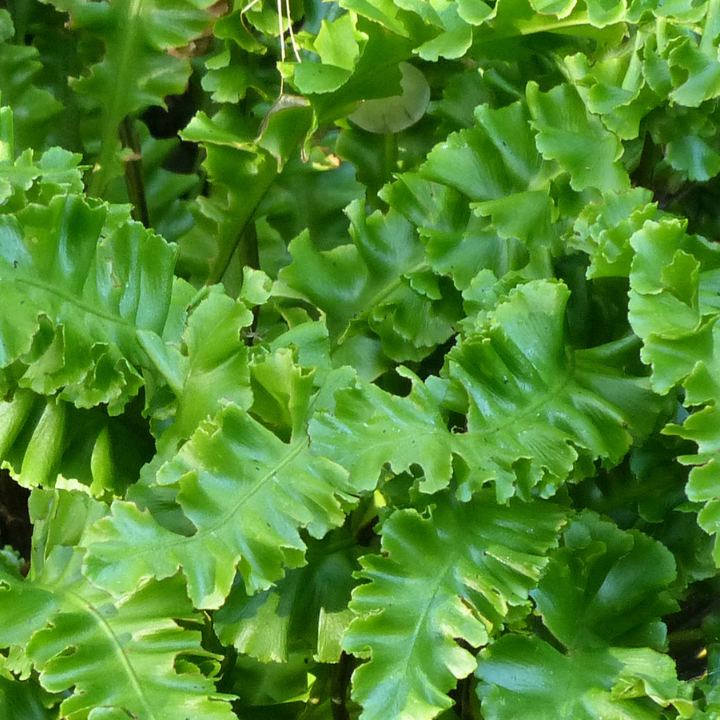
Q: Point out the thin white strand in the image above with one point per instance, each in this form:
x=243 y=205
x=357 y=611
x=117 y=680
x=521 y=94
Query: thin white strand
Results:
x=282 y=30
x=249 y=6
x=292 y=34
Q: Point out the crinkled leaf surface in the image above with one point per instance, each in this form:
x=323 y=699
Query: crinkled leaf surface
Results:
x=204 y=367
x=525 y=388
x=458 y=243
x=377 y=71
x=452 y=575
x=367 y=284
x=74 y=296
x=247 y=493
x=370 y=427
x=54 y=172
x=304 y=612
x=497 y=165
x=114 y=654
x=606 y=587
x=615 y=88
x=665 y=305
x=673 y=307
x=603 y=230
x=576 y=139
x=525 y=676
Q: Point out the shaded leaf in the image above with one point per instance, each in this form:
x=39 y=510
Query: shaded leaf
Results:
x=34 y=107
x=525 y=674
x=606 y=587
x=304 y=612
x=144 y=33
x=44 y=438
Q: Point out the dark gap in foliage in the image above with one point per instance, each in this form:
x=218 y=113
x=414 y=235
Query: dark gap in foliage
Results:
x=183 y=159
x=166 y=123
x=15 y=525
x=693 y=628
x=597 y=309
x=463 y=694
x=698 y=203
x=433 y=363
x=366 y=535
x=457 y=422
x=612 y=493
x=393 y=383
x=643 y=175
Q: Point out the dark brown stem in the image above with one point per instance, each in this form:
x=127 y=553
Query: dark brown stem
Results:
x=340 y=683
x=134 y=176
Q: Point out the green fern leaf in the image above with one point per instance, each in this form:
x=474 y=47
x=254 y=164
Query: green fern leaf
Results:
x=137 y=70
x=537 y=410
x=247 y=494
x=456 y=574
x=117 y=656
x=78 y=284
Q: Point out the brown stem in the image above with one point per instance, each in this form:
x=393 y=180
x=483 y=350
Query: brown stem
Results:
x=134 y=176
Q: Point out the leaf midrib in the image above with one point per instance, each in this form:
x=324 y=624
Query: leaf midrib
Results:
x=86 y=607
x=51 y=289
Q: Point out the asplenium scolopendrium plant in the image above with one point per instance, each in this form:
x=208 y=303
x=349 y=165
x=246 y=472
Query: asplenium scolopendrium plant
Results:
x=331 y=404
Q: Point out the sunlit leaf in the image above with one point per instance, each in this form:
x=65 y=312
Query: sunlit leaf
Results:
x=451 y=576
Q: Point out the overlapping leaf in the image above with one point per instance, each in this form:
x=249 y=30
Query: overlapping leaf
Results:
x=666 y=309
x=615 y=87
x=204 y=367
x=229 y=74
x=338 y=44
x=454 y=575
x=137 y=70
x=537 y=411
x=304 y=612
x=526 y=675
x=246 y=492
x=576 y=139
x=496 y=164
x=600 y=572
x=78 y=637
x=458 y=243
x=474 y=235
x=24 y=179
x=603 y=230
x=42 y=438
x=674 y=309
x=24 y=699
x=75 y=294
x=369 y=285
x=376 y=72
x=449 y=25
x=241 y=174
